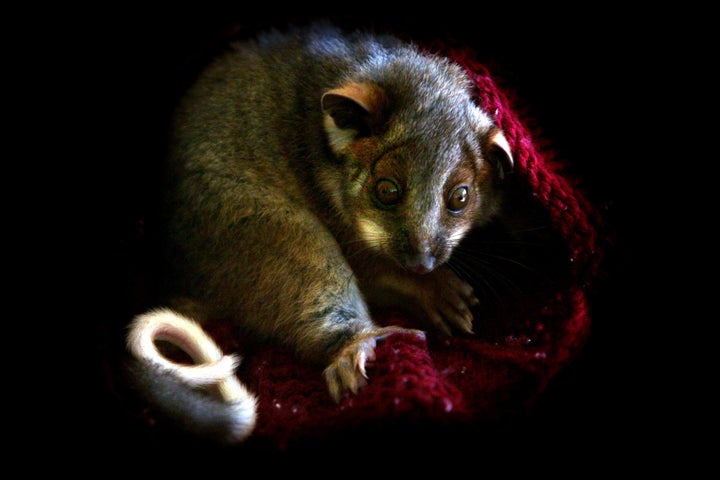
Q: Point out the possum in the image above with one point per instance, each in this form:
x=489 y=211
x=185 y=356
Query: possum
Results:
x=314 y=174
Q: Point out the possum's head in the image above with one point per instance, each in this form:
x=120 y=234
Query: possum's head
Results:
x=419 y=163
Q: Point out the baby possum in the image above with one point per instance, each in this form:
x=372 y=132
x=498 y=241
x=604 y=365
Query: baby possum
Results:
x=315 y=173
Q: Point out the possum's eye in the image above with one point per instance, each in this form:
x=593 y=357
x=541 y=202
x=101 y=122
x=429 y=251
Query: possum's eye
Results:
x=387 y=192
x=458 y=199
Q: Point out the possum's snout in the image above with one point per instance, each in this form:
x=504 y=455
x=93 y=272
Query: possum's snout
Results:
x=420 y=262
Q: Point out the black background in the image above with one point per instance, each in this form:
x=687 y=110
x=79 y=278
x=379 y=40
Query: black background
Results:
x=580 y=78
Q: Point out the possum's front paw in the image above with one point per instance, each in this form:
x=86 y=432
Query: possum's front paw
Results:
x=439 y=298
x=446 y=300
x=347 y=370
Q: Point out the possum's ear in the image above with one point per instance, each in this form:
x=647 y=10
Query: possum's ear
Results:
x=352 y=111
x=497 y=151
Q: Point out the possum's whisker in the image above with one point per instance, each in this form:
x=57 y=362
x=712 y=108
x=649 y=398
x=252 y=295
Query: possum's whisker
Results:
x=496 y=242
x=487 y=269
x=529 y=229
x=372 y=249
x=508 y=260
x=461 y=269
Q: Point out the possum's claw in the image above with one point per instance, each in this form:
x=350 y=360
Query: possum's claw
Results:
x=347 y=370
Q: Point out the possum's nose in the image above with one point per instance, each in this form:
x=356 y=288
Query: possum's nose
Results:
x=421 y=262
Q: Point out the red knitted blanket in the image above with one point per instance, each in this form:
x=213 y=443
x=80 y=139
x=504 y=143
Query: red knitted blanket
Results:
x=499 y=371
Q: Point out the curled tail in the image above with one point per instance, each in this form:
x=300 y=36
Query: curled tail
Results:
x=176 y=388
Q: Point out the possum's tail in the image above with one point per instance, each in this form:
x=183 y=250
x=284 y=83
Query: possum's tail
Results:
x=181 y=391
